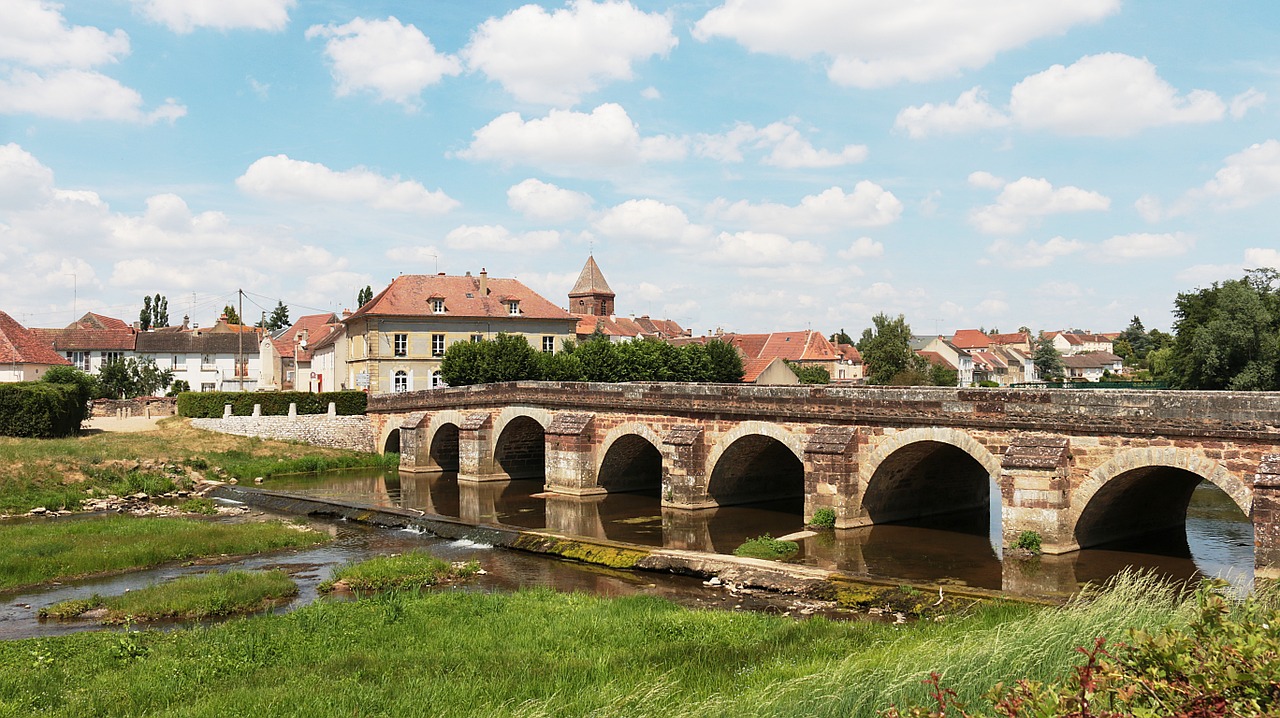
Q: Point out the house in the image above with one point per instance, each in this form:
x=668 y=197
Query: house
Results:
x=91 y=341
x=24 y=356
x=396 y=341
x=286 y=357
x=329 y=361
x=769 y=371
x=206 y=362
x=849 y=368
x=592 y=301
x=1078 y=342
x=971 y=340
x=1091 y=366
x=805 y=348
x=940 y=350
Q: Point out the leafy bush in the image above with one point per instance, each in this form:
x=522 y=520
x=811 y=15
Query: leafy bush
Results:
x=208 y=404
x=40 y=409
x=86 y=386
x=824 y=518
x=1028 y=540
x=767 y=547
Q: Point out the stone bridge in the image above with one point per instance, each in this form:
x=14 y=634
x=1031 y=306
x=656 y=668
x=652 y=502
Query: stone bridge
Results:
x=1079 y=467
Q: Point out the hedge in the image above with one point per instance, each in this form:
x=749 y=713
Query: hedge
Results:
x=40 y=410
x=208 y=404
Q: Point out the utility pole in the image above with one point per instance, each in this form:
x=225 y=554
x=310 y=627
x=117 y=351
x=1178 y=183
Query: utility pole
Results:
x=240 y=367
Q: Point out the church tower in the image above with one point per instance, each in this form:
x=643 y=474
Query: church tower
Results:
x=591 y=295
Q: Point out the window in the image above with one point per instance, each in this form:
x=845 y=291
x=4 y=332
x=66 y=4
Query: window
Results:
x=437 y=345
x=79 y=359
x=548 y=344
x=436 y=381
x=207 y=386
x=206 y=361
x=400 y=381
x=513 y=308
x=477 y=338
x=402 y=345
x=108 y=357
x=437 y=306
x=177 y=360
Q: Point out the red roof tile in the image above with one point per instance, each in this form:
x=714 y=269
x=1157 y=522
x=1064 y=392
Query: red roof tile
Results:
x=316 y=327
x=970 y=339
x=1014 y=338
x=19 y=345
x=409 y=296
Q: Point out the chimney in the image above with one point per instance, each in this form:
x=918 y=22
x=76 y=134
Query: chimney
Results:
x=186 y=321
x=484 y=282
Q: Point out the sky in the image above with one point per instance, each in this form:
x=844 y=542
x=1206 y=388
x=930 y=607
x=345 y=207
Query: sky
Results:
x=745 y=165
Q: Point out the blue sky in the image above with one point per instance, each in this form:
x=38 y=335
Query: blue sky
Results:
x=751 y=165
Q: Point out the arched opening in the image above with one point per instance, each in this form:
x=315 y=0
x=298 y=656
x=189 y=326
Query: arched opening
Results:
x=521 y=449
x=933 y=485
x=754 y=469
x=632 y=464
x=392 y=444
x=400 y=381
x=443 y=452
x=1166 y=511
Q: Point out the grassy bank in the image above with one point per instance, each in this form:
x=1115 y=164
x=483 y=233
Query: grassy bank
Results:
x=189 y=598
x=37 y=552
x=55 y=473
x=538 y=653
x=415 y=569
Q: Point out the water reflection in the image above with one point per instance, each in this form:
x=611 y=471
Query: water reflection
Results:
x=961 y=548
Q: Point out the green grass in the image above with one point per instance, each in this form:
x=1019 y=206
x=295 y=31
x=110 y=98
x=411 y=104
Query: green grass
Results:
x=187 y=598
x=37 y=552
x=414 y=569
x=245 y=467
x=767 y=547
x=538 y=653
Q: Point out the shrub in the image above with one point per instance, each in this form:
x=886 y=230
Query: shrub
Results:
x=208 y=404
x=40 y=409
x=1029 y=540
x=824 y=518
x=86 y=386
x=767 y=547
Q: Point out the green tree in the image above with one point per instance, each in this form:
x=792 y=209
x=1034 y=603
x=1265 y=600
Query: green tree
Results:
x=465 y=363
x=726 y=362
x=230 y=313
x=279 y=318
x=886 y=348
x=1228 y=335
x=511 y=358
x=599 y=359
x=560 y=366
x=810 y=374
x=1048 y=360
x=1139 y=343
x=364 y=296
x=145 y=316
x=841 y=338
x=160 y=311
x=86 y=386
x=128 y=378
x=940 y=375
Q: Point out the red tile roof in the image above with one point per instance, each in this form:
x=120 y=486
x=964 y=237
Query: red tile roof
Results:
x=92 y=332
x=19 y=345
x=316 y=326
x=409 y=295
x=98 y=321
x=936 y=358
x=849 y=353
x=753 y=368
x=797 y=346
x=630 y=327
x=1014 y=338
x=970 y=339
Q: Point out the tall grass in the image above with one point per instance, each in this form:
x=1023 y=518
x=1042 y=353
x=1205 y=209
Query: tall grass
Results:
x=414 y=569
x=187 y=598
x=33 y=553
x=539 y=653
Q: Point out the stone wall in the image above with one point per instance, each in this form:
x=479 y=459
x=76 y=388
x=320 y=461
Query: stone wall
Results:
x=339 y=432
x=147 y=406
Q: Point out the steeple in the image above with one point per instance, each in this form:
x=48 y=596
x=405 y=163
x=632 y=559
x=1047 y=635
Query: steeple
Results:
x=591 y=294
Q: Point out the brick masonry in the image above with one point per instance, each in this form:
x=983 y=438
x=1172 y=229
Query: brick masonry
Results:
x=342 y=432
x=1051 y=452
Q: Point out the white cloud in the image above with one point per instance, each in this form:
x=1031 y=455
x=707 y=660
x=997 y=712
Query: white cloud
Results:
x=280 y=177
x=868 y=205
x=787 y=147
x=1105 y=95
x=1258 y=257
x=1247 y=177
x=496 y=238
x=1026 y=199
x=542 y=201
x=1150 y=208
x=1143 y=246
x=651 y=93
x=568 y=142
x=1032 y=254
x=1245 y=101
x=650 y=222
x=875 y=44
x=395 y=61
x=862 y=248
x=969 y=112
x=555 y=58
x=183 y=16
x=762 y=249
x=79 y=95
x=25 y=183
x=35 y=33
x=985 y=180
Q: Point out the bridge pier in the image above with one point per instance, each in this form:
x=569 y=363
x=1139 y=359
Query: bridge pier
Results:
x=570 y=462
x=475 y=449
x=831 y=473
x=1034 y=481
x=684 y=469
x=1266 y=518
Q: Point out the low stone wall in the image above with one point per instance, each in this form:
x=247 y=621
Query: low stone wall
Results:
x=335 y=432
x=147 y=406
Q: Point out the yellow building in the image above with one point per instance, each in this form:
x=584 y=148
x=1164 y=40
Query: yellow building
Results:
x=396 y=341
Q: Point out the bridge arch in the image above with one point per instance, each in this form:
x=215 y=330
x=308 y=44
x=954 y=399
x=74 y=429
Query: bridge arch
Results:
x=1142 y=490
x=520 y=442
x=440 y=439
x=630 y=459
x=924 y=472
x=756 y=461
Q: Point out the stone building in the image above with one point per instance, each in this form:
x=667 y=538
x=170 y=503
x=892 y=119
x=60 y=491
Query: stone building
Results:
x=592 y=301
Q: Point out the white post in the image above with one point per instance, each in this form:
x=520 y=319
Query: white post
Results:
x=257 y=410
x=226 y=411
x=293 y=410
x=333 y=410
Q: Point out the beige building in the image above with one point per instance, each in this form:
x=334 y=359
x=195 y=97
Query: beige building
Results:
x=396 y=341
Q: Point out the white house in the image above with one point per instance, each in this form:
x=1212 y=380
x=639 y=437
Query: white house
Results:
x=207 y=362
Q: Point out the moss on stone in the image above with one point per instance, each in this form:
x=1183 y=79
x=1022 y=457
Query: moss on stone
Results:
x=613 y=557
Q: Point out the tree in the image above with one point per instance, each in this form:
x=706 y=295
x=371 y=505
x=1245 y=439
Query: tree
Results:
x=279 y=318
x=160 y=311
x=810 y=374
x=464 y=364
x=511 y=358
x=364 y=296
x=86 y=386
x=144 y=317
x=1135 y=335
x=1228 y=335
x=1048 y=360
x=886 y=348
x=841 y=338
x=726 y=362
x=230 y=313
x=128 y=378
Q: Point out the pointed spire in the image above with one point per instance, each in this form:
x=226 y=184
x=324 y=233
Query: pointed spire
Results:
x=590 y=280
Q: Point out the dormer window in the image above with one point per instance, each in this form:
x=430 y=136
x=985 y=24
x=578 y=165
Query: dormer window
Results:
x=513 y=308
x=437 y=306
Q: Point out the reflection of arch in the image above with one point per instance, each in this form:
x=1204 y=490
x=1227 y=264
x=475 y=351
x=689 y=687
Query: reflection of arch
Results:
x=756 y=462
x=630 y=459
x=927 y=472
x=520 y=447
x=1140 y=491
